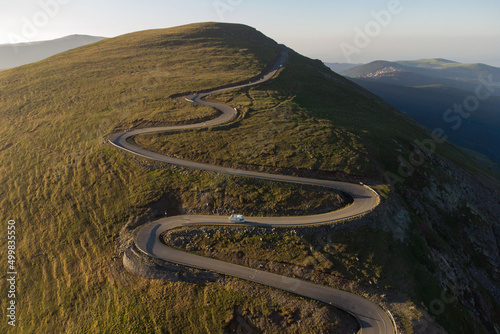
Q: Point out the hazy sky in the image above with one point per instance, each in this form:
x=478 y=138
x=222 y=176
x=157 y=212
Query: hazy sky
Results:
x=333 y=31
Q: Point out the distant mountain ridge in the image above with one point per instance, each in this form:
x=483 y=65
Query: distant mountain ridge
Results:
x=341 y=67
x=13 y=55
x=428 y=90
x=426 y=72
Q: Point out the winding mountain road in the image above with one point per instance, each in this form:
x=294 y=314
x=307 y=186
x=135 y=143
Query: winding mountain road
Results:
x=371 y=317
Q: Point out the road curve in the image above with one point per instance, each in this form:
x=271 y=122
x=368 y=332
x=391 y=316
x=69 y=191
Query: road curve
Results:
x=371 y=317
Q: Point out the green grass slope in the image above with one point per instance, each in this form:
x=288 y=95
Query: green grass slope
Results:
x=307 y=118
x=310 y=121
x=70 y=194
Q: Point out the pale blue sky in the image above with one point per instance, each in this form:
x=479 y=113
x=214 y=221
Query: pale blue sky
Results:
x=461 y=30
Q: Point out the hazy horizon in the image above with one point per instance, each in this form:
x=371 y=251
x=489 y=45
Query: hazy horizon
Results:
x=332 y=31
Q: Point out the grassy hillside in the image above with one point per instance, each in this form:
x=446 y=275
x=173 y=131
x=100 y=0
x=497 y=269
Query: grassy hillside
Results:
x=312 y=122
x=70 y=194
x=307 y=118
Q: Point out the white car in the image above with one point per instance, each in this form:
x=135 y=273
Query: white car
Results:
x=237 y=219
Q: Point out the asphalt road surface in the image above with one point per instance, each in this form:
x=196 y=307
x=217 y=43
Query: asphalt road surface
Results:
x=371 y=317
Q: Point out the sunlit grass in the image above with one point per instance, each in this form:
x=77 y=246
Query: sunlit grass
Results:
x=70 y=193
